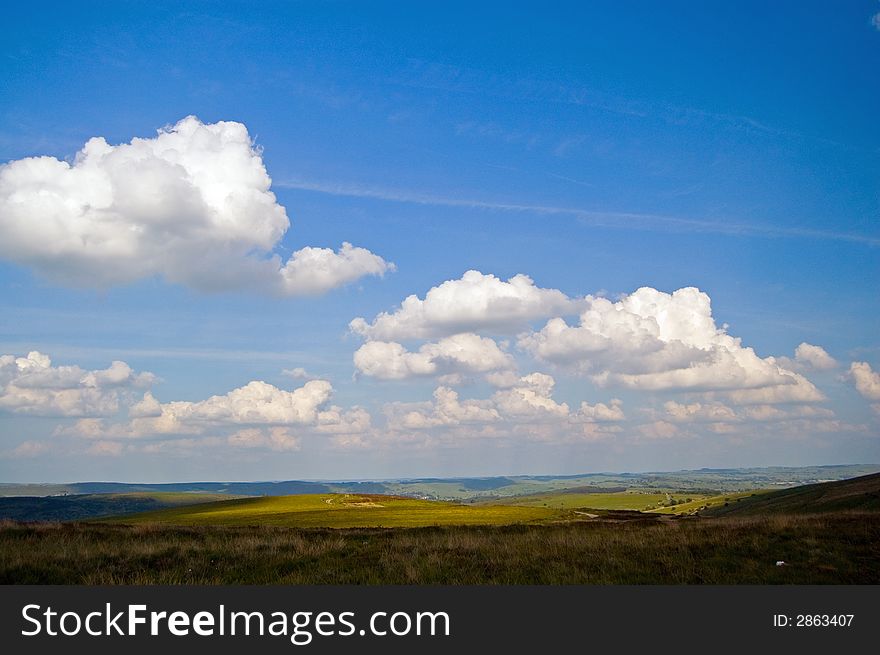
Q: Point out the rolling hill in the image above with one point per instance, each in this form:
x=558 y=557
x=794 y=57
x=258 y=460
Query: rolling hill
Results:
x=89 y=506
x=341 y=511
x=861 y=493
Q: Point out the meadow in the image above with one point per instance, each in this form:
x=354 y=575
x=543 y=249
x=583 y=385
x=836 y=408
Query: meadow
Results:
x=341 y=511
x=838 y=548
x=827 y=533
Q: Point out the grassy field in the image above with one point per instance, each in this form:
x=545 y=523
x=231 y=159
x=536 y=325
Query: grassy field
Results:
x=841 y=548
x=701 y=504
x=825 y=533
x=629 y=500
x=342 y=511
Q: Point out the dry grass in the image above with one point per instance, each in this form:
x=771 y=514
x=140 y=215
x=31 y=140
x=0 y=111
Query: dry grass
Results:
x=840 y=548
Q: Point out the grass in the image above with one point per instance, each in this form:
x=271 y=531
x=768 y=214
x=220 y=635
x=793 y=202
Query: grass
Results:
x=341 y=511
x=861 y=493
x=701 y=503
x=840 y=548
x=628 y=500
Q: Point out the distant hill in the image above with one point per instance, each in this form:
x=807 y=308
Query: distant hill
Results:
x=90 y=506
x=862 y=493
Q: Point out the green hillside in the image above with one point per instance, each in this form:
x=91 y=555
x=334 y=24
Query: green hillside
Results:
x=862 y=493
x=341 y=511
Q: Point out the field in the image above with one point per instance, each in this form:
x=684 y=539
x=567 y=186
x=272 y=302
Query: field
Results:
x=842 y=548
x=823 y=533
x=341 y=511
x=629 y=500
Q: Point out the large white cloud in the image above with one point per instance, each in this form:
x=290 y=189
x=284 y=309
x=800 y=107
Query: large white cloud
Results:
x=257 y=414
x=192 y=205
x=473 y=302
x=31 y=385
x=460 y=354
x=651 y=340
x=256 y=403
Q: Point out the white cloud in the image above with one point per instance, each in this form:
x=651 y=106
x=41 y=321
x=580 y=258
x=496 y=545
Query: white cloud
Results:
x=460 y=354
x=274 y=438
x=814 y=356
x=808 y=357
x=28 y=449
x=312 y=271
x=659 y=430
x=653 y=341
x=31 y=385
x=613 y=411
x=192 y=205
x=256 y=415
x=298 y=373
x=445 y=410
x=530 y=400
x=256 y=403
x=338 y=421
x=867 y=381
x=699 y=412
x=718 y=413
x=520 y=407
x=473 y=302
x=875 y=20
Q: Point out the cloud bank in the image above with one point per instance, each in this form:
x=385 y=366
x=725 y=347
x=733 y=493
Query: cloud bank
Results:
x=31 y=385
x=191 y=205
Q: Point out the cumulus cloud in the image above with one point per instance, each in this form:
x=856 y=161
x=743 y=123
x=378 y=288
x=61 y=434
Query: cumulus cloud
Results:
x=814 y=356
x=445 y=410
x=256 y=415
x=473 y=302
x=256 y=403
x=659 y=430
x=651 y=340
x=613 y=411
x=522 y=406
x=274 y=438
x=191 y=205
x=460 y=354
x=808 y=357
x=699 y=411
x=867 y=380
x=531 y=399
x=31 y=385
x=717 y=412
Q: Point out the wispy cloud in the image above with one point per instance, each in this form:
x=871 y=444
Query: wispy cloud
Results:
x=66 y=351
x=615 y=219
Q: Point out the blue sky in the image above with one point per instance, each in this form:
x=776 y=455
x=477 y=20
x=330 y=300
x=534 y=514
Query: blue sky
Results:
x=597 y=150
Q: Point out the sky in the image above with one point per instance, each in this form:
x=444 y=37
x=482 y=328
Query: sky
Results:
x=389 y=240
